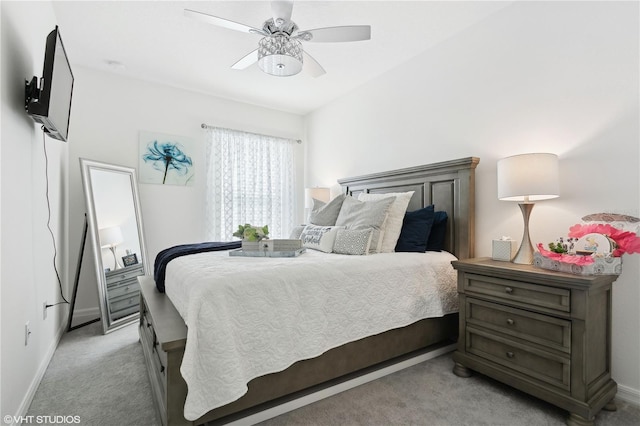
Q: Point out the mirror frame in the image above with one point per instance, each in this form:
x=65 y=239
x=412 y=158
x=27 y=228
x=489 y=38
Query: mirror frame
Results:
x=86 y=166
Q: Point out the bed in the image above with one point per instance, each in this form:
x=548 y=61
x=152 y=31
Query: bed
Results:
x=448 y=185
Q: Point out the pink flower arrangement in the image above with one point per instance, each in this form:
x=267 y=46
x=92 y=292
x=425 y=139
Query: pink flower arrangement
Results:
x=565 y=258
x=626 y=242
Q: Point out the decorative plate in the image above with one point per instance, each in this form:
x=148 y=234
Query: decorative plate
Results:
x=594 y=243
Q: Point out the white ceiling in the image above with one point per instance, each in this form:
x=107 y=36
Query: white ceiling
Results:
x=154 y=41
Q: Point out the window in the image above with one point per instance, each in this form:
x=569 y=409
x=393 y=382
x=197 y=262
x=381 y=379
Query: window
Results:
x=250 y=179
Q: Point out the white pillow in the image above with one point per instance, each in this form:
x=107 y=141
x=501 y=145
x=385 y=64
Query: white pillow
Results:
x=353 y=241
x=356 y=214
x=393 y=224
x=319 y=237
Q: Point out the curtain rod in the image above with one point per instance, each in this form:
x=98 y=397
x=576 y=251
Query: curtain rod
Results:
x=206 y=126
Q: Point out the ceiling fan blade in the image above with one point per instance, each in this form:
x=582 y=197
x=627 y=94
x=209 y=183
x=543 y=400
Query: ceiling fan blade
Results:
x=339 y=34
x=246 y=61
x=281 y=10
x=312 y=66
x=221 y=22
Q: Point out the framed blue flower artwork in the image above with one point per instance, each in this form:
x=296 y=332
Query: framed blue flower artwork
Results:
x=166 y=159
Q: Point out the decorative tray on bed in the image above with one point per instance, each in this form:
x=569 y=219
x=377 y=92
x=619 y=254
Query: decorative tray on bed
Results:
x=262 y=253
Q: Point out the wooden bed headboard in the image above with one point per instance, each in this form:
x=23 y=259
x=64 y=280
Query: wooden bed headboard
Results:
x=449 y=185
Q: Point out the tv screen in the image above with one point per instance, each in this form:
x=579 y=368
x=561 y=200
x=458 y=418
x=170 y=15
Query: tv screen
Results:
x=51 y=104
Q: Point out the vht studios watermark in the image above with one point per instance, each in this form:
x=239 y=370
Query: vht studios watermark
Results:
x=38 y=420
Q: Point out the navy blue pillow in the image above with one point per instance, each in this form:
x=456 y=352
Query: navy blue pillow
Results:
x=416 y=228
x=438 y=232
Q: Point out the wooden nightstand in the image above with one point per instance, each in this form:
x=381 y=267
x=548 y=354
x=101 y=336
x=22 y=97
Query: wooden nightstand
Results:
x=123 y=291
x=546 y=333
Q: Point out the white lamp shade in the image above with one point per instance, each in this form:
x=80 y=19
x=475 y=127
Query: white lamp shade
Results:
x=528 y=177
x=110 y=237
x=280 y=65
x=321 y=194
x=280 y=55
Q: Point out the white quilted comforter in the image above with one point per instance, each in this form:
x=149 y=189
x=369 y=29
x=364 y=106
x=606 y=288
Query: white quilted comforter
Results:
x=248 y=317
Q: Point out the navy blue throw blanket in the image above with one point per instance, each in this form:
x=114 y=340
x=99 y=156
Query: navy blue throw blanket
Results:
x=167 y=255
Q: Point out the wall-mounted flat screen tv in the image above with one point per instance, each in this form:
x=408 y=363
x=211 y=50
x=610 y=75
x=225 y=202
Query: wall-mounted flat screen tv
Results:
x=50 y=104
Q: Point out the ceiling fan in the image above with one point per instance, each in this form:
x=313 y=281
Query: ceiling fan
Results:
x=280 y=50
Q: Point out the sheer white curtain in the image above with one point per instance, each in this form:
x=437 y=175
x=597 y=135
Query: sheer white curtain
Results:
x=250 y=179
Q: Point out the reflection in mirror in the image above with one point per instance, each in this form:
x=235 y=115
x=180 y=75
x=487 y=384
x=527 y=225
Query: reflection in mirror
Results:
x=115 y=226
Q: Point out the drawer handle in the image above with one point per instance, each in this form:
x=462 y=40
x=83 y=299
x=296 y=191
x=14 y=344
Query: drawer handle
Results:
x=510 y=321
x=158 y=357
x=510 y=354
x=508 y=290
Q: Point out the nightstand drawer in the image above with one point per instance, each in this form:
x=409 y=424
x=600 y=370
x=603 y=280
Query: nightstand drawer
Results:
x=518 y=293
x=130 y=272
x=129 y=286
x=539 y=329
x=539 y=365
x=124 y=312
x=128 y=300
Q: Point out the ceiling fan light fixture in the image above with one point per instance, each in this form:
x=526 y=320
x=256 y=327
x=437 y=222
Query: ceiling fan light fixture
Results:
x=279 y=52
x=280 y=55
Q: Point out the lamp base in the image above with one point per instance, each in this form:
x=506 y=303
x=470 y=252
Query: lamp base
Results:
x=524 y=256
x=116 y=264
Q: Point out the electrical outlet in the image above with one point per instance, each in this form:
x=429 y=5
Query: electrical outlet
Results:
x=27 y=333
x=44 y=310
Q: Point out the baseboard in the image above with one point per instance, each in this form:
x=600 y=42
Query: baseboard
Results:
x=341 y=387
x=627 y=394
x=33 y=387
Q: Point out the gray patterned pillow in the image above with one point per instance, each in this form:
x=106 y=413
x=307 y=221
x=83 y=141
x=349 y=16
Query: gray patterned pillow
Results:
x=326 y=214
x=353 y=241
x=364 y=215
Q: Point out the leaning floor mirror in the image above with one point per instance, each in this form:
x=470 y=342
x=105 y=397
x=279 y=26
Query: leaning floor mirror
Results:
x=117 y=239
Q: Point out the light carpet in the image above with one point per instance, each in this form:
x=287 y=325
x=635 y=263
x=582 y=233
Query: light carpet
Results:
x=103 y=380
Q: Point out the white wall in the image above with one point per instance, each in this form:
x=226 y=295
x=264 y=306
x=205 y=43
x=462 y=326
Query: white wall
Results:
x=27 y=277
x=108 y=113
x=535 y=77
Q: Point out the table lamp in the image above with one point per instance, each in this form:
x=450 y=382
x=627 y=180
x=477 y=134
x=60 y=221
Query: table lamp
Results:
x=110 y=238
x=526 y=178
x=321 y=194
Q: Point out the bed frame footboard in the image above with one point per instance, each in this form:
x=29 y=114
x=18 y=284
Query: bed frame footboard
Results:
x=163 y=336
